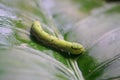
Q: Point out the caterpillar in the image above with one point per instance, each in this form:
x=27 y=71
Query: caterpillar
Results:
x=54 y=42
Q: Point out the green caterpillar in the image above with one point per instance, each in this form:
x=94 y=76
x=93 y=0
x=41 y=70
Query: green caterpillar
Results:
x=54 y=42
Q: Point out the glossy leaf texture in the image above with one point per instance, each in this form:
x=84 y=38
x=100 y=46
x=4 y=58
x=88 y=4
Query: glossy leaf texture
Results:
x=93 y=23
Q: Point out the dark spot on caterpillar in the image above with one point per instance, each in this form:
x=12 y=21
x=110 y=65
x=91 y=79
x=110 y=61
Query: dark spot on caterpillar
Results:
x=75 y=48
x=52 y=40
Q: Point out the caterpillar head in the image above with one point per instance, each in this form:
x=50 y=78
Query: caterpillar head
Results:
x=77 y=48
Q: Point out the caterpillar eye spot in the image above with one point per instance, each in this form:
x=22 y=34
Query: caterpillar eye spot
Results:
x=75 y=48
